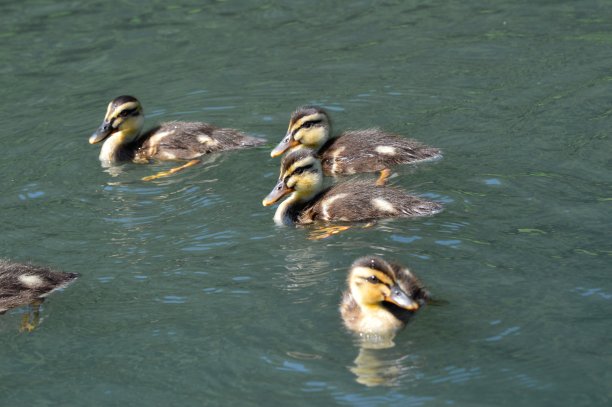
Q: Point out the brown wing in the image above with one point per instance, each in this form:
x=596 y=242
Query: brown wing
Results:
x=188 y=140
x=349 y=310
x=371 y=150
x=15 y=290
x=361 y=200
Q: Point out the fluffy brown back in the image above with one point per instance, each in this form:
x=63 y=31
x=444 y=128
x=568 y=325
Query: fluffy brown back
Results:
x=355 y=151
x=358 y=200
x=188 y=140
x=15 y=292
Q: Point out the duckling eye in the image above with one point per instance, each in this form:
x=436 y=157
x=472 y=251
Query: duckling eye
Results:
x=128 y=112
x=373 y=280
x=300 y=170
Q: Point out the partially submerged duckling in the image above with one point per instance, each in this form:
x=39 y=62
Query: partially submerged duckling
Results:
x=381 y=297
x=121 y=132
x=26 y=284
x=302 y=177
x=22 y=284
x=352 y=151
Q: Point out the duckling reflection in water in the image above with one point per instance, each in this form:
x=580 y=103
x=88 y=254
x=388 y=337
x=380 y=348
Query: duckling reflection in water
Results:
x=351 y=152
x=121 y=132
x=26 y=284
x=301 y=177
x=376 y=367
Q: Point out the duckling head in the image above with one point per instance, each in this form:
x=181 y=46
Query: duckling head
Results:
x=300 y=174
x=123 y=121
x=376 y=284
x=309 y=127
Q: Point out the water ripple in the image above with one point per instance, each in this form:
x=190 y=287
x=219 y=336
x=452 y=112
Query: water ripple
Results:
x=590 y=292
x=504 y=333
x=458 y=375
x=173 y=299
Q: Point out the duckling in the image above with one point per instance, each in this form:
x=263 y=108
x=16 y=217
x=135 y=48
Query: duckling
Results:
x=124 y=140
x=24 y=284
x=355 y=200
x=381 y=297
x=351 y=152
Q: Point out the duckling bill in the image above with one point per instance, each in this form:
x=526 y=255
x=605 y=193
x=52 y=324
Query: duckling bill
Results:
x=353 y=151
x=301 y=178
x=381 y=297
x=123 y=139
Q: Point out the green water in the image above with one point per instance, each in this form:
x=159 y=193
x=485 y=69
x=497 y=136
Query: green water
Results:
x=190 y=295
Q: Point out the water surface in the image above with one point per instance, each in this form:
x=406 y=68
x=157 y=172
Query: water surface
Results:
x=190 y=295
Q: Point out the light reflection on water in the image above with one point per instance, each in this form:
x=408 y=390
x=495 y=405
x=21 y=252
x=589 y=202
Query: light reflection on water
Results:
x=190 y=295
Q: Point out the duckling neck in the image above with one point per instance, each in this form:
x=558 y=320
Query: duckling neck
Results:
x=288 y=209
x=117 y=147
x=377 y=320
x=314 y=148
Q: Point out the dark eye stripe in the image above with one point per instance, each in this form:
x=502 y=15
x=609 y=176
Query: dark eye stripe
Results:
x=306 y=168
x=306 y=125
x=372 y=279
x=310 y=123
x=126 y=113
x=300 y=170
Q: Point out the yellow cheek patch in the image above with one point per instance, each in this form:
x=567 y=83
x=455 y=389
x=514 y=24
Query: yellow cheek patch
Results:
x=307 y=182
x=298 y=135
x=313 y=136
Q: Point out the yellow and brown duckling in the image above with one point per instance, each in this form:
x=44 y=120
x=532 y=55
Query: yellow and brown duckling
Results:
x=381 y=297
x=26 y=284
x=23 y=284
x=352 y=151
x=301 y=178
x=121 y=132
